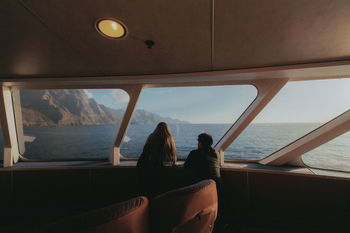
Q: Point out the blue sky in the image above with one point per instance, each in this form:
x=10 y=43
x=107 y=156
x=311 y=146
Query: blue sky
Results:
x=303 y=101
x=308 y=101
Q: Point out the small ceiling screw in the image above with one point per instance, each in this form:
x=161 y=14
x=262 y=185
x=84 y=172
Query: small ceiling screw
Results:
x=149 y=43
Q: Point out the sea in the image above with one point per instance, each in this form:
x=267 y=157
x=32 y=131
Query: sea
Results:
x=257 y=141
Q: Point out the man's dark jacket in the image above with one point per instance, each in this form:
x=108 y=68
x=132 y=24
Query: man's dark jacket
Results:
x=204 y=163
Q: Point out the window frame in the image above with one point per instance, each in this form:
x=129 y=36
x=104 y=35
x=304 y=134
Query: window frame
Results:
x=254 y=84
x=291 y=153
x=230 y=77
x=325 y=169
x=297 y=161
x=19 y=125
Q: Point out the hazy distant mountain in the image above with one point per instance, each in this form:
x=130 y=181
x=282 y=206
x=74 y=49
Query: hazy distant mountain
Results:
x=142 y=117
x=74 y=107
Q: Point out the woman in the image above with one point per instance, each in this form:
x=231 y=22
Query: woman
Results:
x=158 y=152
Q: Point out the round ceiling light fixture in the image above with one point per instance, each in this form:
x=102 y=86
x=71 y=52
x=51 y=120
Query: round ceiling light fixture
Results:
x=111 y=28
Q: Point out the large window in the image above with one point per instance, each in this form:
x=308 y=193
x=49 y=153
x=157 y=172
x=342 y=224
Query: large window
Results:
x=188 y=111
x=296 y=110
x=333 y=155
x=68 y=124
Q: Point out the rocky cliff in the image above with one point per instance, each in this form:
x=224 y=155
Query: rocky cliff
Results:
x=74 y=107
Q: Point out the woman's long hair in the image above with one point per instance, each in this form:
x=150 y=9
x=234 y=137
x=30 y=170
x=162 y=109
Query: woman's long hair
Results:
x=162 y=145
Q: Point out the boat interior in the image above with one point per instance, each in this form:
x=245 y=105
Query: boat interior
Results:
x=57 y=44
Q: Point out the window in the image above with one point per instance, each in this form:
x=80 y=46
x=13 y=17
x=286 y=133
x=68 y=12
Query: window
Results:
x=69 y=124
x=333 y=155
x=188 y=111
x=297 y=109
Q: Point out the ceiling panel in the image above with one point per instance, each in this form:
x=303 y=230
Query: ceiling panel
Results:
x=27 y=48
x=256 y=33
x=181 y=31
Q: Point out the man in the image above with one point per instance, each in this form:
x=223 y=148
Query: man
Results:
x=204 y=164
x=204 y=161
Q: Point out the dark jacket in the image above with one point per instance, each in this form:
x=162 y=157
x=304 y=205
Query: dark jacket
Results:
x=150 y=173
x=204 y=164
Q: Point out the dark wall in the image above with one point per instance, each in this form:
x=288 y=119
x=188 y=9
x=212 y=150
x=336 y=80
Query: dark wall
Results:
x=37 y=196
x=255 y=198
x=281 y=201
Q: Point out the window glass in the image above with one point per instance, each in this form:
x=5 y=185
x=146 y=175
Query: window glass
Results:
x=188 y=111
x=333 y=155
x=297 y=109
x=68 y=124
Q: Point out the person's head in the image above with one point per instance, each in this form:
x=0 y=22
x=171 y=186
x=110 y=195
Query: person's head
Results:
x=205 y=140
x=162 y=144
x=162 y=130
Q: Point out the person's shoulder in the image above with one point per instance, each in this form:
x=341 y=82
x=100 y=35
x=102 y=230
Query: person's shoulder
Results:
x=211 y=154
x=214 y=154
x=193 y=152
x=192 y=155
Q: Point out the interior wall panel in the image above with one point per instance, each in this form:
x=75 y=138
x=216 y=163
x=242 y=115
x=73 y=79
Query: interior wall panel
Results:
x=264 y=199
x=255 y=33
x=236 y=192
x=53 y=184
x=181 y=31
x=108 y=185
x=27 y=48
x=315 y=204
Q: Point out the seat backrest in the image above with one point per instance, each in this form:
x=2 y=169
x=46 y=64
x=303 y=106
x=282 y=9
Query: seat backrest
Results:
x=130 y=216
x=185 y=210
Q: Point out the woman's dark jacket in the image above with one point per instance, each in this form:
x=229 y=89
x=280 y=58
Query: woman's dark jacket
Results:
x=150 y=172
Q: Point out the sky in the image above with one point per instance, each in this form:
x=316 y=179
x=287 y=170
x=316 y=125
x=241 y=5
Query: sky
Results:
x=302 y=101
x=113 y=98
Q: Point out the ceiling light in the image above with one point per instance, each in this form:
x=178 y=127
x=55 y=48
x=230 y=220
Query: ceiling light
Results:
x=111 y=28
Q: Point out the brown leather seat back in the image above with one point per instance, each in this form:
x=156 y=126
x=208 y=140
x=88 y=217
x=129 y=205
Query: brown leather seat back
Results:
x=202 y=222
x=130 y=216
x=189 y=209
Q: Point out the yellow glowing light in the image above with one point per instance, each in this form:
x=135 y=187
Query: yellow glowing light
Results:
x=111 y=28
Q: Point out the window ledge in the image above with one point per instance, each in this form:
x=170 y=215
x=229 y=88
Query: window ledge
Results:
x=53 y=164
x=257 y=166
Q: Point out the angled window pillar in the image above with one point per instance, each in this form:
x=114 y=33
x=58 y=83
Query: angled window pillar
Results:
x=8 y=125
x=267 y=89
x=291 y=154
x=134 y=94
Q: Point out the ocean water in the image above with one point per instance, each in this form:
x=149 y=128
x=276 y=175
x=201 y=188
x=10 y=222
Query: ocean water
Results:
x=256 y=142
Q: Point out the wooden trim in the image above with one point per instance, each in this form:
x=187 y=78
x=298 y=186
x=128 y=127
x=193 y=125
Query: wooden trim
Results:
x=312 y=71
x=73 y=85
x=288 y=173
x=11 y=154
x=17 y=108
x=134 y=96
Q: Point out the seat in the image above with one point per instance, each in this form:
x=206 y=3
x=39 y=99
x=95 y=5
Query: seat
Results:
x=130 y=216
x=185 y=210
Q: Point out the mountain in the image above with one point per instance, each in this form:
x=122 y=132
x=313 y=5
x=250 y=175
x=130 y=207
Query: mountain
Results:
x=142 y=117
x=74 y=107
